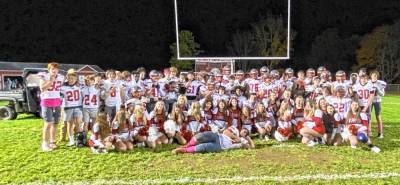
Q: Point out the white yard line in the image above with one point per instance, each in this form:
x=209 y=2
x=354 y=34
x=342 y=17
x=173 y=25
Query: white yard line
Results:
x=233 y=179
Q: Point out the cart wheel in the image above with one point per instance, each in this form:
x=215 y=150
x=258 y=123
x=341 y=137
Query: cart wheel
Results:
x=7 y=113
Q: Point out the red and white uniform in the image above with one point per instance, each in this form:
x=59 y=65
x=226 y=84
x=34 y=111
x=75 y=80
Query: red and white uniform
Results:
x=206 y=119
x=253 y=85
x=91 y=97
x=284 y=130
x=139 y=126
x=247 y=122
x=364 y=92
x=219 y=121
x=266 y=89
x=361 y=123
x=261 y=121
x=114 y=99
x=315 y=122
x=72 y=95
x=355 y=125
x=341 y=105
x=234 y=118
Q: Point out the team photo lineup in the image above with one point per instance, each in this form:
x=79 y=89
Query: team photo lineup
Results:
x=209 y=111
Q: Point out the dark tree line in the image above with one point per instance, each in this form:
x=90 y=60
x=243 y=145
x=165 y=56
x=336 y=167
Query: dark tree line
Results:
x=126 y=34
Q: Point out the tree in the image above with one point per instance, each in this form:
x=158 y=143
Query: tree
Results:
x=369 y=45
x=187 y=48
x=270 y=37
x=333 y=50
x=243 y=45
x=387 y=56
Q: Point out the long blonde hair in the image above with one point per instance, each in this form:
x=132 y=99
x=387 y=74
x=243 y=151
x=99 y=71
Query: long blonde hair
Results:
x=105 y=129
x=259 y=111
x=309 y=111
x=179 y=118
x=195 y=111
x=120 y=117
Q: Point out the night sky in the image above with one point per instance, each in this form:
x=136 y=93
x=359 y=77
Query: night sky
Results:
x=126 y=34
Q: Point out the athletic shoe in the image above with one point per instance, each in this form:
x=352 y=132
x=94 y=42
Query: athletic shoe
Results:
x=46 y=148
x=95 y=151
x=380 y=136
x=71 y=143
x=375 y=149
x=311 y=143
x=266 y=138
x=353 y=146
x=140 y=144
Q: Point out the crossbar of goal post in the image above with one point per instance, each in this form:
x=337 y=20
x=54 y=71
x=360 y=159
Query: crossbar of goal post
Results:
x=287 y=57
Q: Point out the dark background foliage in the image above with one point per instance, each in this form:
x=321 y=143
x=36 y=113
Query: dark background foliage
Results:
x=125 y=34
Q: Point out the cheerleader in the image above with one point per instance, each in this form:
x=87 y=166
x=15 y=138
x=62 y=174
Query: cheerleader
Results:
x=357 y=127
x=313 y=128
x=156 y=121
x=247 y=119
x=219 y=118
x=234 y=114
x=206 y=115
x=194 y=118
x=101 y=140
x=175 y=126
x=263 y=122
x=138 y=119
x=284 y=129
x=122 y=127
x=298 y=114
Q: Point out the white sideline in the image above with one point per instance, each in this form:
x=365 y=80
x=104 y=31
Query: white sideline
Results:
x=324 y=177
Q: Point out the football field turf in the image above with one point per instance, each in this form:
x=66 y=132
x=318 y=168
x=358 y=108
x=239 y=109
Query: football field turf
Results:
x=21 y=160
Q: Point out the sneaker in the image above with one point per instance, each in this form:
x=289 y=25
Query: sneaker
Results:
x=142 y=144
x=312 y=143
x=266 y=138
x=380 y=136
x=95 y=151
x=103 y=151
x=353 y=146
x=375 y=149
x=71 y=143
x=46 y=148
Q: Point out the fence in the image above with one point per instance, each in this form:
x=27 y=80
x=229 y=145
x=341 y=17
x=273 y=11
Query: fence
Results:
x=393 y=89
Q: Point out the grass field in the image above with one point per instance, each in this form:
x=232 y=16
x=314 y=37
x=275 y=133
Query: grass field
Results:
x=21 y=161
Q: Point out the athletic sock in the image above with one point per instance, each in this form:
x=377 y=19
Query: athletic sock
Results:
x=190 y=149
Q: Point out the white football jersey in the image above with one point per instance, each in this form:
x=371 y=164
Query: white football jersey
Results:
x=91 y=97
x=267 y=89
x=114 y=98
x=193 y=88
x=253 y=85
x=53 y=92
x=341 y=105
x=72 y=95
x=363 y=92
